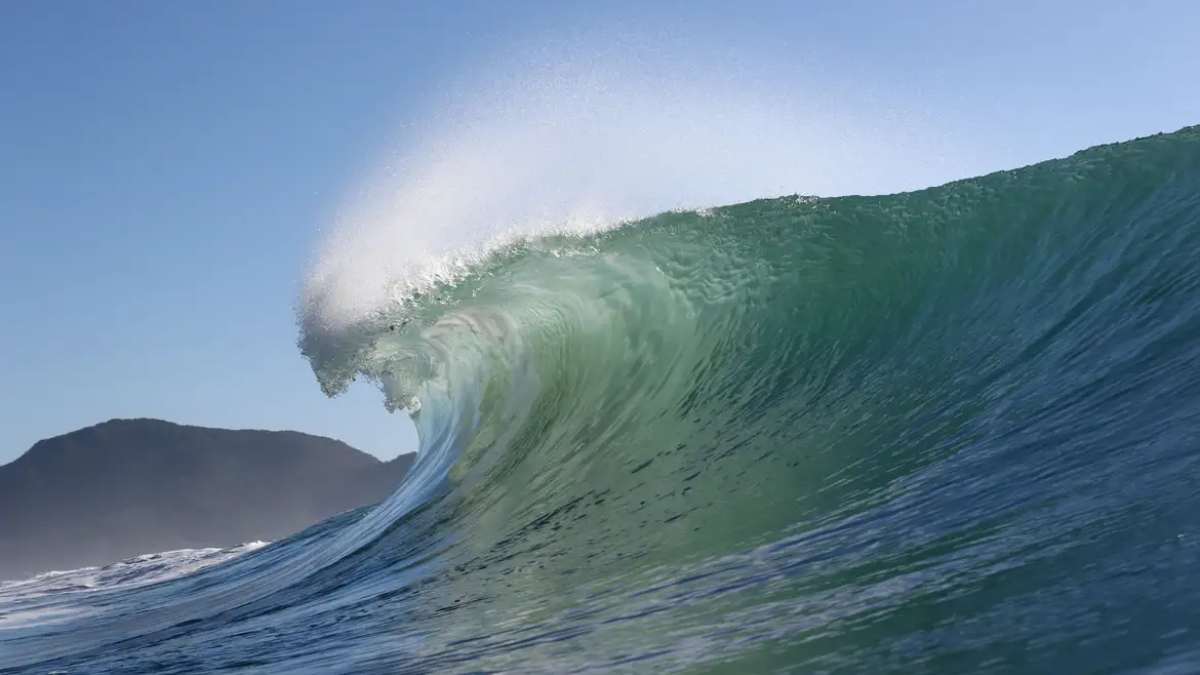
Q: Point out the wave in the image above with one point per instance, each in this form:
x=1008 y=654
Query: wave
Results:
x=952 y=429
x=39 y=600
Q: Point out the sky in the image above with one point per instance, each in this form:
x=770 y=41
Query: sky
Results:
x=170 y=171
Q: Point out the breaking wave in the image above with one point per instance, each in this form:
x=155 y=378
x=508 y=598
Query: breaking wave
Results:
x=953 y=429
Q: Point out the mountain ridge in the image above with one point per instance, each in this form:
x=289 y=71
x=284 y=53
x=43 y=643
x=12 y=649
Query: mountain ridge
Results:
x=125 y=487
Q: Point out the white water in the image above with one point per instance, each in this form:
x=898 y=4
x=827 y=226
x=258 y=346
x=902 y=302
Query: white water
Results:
x=19 y=600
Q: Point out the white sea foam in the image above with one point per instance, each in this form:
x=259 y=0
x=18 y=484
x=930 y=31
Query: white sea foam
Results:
x=138 y=570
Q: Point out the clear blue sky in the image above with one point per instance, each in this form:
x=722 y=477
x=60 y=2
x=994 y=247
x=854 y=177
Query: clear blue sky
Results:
x=166 y=169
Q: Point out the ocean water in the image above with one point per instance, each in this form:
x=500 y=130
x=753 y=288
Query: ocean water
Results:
x=951 y=430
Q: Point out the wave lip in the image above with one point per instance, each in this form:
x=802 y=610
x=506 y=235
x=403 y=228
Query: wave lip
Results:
x=577 y=148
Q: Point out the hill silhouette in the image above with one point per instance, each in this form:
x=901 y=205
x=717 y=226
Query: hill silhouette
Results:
x=127 y=487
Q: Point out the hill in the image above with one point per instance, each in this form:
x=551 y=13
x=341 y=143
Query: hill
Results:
x=126 y=487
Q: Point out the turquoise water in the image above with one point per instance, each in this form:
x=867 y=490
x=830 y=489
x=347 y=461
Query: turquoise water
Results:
x=953 y=430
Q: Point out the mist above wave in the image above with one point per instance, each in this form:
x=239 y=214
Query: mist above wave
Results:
x=582 y=145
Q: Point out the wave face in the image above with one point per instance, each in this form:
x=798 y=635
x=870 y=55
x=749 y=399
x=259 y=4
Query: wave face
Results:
x=949 y=430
